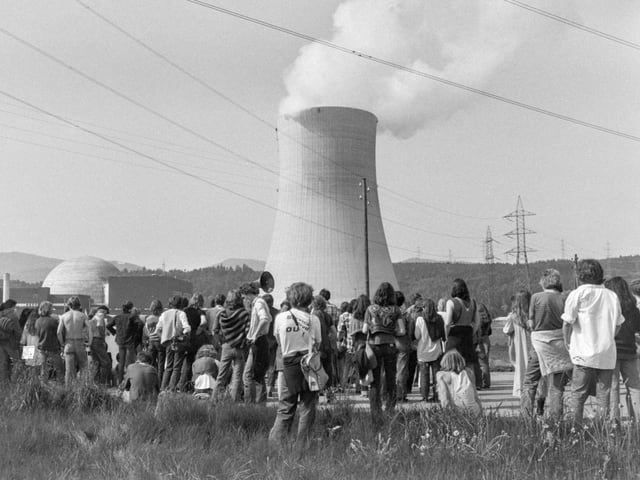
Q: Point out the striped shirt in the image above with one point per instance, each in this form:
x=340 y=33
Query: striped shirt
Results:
x=234 y=325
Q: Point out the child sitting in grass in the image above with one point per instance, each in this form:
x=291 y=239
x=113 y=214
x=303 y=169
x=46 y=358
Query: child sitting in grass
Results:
x=455 y=387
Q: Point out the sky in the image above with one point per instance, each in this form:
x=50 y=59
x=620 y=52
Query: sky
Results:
x=449 y=161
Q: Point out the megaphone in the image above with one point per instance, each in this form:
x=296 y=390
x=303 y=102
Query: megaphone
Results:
x=266 y=282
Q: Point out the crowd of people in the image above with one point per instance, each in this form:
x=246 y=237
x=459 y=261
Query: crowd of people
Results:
x=243 y=349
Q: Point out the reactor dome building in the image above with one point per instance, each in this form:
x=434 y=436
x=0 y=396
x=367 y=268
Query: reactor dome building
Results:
x=319 y=230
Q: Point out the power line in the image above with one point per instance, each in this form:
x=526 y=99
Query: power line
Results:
x=420 y=73
x=248 y=111
x=577 y=25
x=191 y=131
x=194 y=176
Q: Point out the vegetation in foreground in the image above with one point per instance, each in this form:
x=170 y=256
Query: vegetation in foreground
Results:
x=85 y=433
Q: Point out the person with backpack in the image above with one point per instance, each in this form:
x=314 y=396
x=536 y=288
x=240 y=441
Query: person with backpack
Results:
x=380 y=324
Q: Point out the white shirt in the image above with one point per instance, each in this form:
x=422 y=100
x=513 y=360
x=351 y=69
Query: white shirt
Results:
x=295 y=338
x=594 y=313
x=260 y=319
x=427 y=349
x=172 y=322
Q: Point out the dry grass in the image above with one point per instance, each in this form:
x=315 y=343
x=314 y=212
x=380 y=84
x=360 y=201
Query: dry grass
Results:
x=82 y=434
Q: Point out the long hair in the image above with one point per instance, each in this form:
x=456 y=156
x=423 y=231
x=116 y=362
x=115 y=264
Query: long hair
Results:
x=30 y=326
x=156 y=307
x=234 y=300
x=45 y=308
x=520 y=307
x=452 y=361
x=362 y=303
x=385 y=295
x=460 y=290
x=621 y=288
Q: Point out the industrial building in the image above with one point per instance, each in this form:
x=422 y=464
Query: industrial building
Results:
x=319 y=231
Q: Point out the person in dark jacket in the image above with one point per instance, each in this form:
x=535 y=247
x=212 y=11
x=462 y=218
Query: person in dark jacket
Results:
x=48 y=343
x=141 y=379
x=198 y=323
x=234 y=323
x=123 y=326
x=10 y=333
x=626 y=362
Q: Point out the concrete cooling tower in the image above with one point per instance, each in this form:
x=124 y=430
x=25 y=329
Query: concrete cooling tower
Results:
x=318 y=235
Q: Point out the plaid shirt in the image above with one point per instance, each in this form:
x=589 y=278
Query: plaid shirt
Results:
x=334 y=312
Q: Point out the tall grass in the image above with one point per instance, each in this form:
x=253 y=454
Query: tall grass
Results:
x=66 y=435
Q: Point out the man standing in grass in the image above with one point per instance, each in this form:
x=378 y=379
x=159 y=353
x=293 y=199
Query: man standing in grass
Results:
x=10 y=333
x=592 y=317
x=73 y=331
x=257 y=363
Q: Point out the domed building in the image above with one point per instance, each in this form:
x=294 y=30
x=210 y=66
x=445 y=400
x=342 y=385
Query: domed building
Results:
x=81 y=276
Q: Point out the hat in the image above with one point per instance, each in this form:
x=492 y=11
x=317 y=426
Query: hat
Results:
x=10 y=303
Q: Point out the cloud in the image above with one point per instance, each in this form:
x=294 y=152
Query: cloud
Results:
x=462 y=41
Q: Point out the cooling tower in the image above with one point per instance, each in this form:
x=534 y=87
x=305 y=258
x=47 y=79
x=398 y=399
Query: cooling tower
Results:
x=318 y=235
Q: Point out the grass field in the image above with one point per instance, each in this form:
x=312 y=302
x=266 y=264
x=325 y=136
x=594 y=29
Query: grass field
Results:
x=85 y=433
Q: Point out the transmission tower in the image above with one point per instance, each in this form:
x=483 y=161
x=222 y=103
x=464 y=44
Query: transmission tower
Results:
x=489 y=257
x=520 y=234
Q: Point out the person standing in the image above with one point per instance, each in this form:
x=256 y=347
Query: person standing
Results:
x=380 y=324
x=273 y=351
x=517 y=330
x=73 y=331
x=461 y=322
x=257 y=362
x=10 y=333
x=151 y=338
x=483 y=347
x=592 y=318
x=213 y=320
x=198 y=337
x=429 y=333
x=98 y=347
x=404 y=346
x=626 y=356
x=48 y=343
x=123 y=326
x=234 y=323
x=297 y=332
x=174 y=329
x=549 y=360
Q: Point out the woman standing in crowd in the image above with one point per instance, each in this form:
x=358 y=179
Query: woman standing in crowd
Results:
x=345 y=344
x=30 y=338
x=100 y=359
x=429 y=333
x=380 y=324
x=550 y=362
x=297 y=333
x=461 y=321
x=517 y=330
x=627 y=358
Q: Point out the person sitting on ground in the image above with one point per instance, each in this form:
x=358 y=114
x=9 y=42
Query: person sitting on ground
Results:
x=141 y=379
x=455 y=387
x=205 y=372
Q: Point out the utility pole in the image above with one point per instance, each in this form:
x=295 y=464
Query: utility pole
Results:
x=520 y=234
x=563 y=252
x=489 y=257
x=364 y=197
x=575 y=270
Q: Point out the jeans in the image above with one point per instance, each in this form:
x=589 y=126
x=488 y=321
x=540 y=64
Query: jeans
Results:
x=173 y=368
x=186 y=372
x=231 y=367
x=411 y=371
x=428 y=372
x=100 y=360
x=402 y=374
x=530 y=385
x=482 y=350
x=75 y=358
x=126 y=356
x=582 y=382
x=628 y=368
x=255 y=370
x=158 y=354
x=51 y=362
x=287 y=405
x=557 y=383
x=386 y=357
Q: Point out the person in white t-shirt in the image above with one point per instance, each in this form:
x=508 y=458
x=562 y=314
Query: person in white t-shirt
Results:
x=297 y=332
x=429 y=333
x=592 y=317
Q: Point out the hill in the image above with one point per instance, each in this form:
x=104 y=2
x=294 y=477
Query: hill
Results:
x=256 y=265
x=27 y=267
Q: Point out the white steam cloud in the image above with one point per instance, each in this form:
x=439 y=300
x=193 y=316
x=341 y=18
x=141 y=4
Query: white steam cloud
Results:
x=459 y=40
